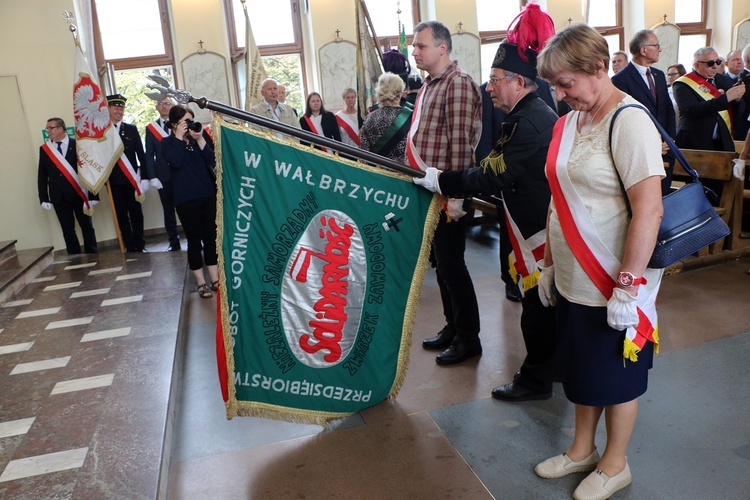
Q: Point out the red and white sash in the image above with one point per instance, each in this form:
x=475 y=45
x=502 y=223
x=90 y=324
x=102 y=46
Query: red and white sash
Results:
x=412 y=154
x=314 y=130
x=347 y=127
x=707 y=91
x=70 y=175
x=133 y=177
x=157 y=130
x=525 y=254
x=592 y=254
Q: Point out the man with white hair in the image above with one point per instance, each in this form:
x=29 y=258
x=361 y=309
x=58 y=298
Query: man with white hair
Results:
x=271 y=108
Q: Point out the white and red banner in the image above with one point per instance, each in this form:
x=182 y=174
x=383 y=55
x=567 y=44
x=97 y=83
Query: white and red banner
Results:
x=98 y=145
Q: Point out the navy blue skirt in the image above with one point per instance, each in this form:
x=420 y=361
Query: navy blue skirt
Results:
x=590 y=361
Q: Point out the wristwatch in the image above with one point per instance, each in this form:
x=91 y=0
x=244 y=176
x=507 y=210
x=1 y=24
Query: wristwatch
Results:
x=625 y=278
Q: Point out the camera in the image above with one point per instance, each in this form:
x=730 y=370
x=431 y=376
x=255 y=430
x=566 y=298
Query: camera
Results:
x=194 y=125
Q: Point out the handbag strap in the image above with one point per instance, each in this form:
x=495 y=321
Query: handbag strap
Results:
x=672 y=146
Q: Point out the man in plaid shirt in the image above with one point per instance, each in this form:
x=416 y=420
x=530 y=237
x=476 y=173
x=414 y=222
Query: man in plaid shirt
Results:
x=446 y=126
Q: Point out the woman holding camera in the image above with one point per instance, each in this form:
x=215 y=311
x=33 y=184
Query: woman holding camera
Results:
x=191 y=162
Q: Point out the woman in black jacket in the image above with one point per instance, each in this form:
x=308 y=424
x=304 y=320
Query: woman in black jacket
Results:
x=191 y=162
x=319 y=121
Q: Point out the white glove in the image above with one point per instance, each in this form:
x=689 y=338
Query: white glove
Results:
x=738 y=170
x=546 y=284
x=93 y=203
x=455 y=208
x=622 y=310
x=156 y=183
x=430 y=180
x=145 y=184
x=46 y=206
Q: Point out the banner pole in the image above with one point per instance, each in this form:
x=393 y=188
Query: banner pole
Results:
x=184 y=97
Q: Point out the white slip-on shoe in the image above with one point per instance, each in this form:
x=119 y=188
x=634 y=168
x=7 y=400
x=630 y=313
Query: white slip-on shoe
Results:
x=598 y=485
x=562 y=465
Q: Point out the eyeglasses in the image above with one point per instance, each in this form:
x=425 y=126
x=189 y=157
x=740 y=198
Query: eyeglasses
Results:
x=674 y=73
x=657 y=45
x=164 y=104
x=710 y=64
x=494 y=80
x=52 y=127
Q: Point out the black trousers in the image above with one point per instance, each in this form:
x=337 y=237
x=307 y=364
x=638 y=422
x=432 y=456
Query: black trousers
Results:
x=166 y=195
x=67 y=214
x=456 y=288
x=129 y=216
x=538 y=329
x=199 y=223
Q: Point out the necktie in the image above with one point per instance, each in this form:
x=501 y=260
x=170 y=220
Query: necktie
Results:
x=164 y=126
x=651 y=85
x=59 y=147
x=711 y=81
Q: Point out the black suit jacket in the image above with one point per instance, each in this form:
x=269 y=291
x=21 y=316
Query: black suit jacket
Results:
x=52 y=185
x=328 y=123
x=131 y=141
x=523 y=184
x=156 y=165
x=630 y=81
x=741 y=110
x=699 y=117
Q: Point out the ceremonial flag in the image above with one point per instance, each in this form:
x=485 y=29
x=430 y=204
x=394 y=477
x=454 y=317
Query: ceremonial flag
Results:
x=255 y=73
x=369 y=61
x=322 y=262
x=402 y=46
x=97 y=143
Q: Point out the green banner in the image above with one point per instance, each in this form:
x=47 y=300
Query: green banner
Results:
x=322 y=262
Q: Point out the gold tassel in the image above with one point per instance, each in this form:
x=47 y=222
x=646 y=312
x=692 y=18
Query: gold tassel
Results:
x=494 y=162
x=630 y=350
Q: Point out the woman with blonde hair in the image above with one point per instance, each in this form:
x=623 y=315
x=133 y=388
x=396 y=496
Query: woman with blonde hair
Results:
x=594 y=267
x=385 y=129
x=348 y=118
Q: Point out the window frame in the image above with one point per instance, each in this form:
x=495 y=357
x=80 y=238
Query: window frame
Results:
x=166 y=59
x=699 y=27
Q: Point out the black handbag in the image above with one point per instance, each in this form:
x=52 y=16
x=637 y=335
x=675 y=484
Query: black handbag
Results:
x=690 y=222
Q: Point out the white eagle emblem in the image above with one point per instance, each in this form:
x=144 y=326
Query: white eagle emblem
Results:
x=90 y=109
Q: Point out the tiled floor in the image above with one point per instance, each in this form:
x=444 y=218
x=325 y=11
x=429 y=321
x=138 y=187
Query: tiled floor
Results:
x=444 y=437
x=90 y=422
x=86 y=357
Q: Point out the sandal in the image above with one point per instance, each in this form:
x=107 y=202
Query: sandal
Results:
x=215 y=285
x=204 y=291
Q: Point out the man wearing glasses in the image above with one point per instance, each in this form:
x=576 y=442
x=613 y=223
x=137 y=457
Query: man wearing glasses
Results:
x=704 y=101
x=59 y=188
x=157 y=170
x=648 y=85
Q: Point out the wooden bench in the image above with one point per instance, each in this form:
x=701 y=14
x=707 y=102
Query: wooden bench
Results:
x=717 y=165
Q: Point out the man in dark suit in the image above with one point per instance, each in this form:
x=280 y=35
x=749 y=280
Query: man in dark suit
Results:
x=648 y=85
x=741 y=108
x=704 y=120
x=125 y=179
x=59 y=188
x=157 y=170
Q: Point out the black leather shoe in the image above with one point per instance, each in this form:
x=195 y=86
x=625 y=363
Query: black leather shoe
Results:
x=442 y=340
x=459 y=351
x=512 y=293
x=515 y=392
x=174 y=248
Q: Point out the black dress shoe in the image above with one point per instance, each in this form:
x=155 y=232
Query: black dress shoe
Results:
x=459 y=351
x=442 y=340
x=515 y=392
x=174 y=248
x=512 y=293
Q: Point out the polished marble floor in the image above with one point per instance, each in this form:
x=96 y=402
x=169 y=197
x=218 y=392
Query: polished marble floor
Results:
x=445 y=437
x=92 y=370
